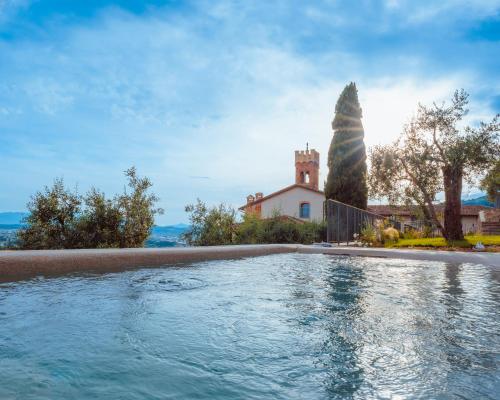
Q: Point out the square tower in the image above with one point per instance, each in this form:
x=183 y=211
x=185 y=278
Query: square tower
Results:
x=307 y=168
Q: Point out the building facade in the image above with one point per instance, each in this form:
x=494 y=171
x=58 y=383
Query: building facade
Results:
x=470 y=215
x=302 y=201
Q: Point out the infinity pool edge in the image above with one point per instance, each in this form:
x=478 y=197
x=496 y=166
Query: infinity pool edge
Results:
x=24 y=264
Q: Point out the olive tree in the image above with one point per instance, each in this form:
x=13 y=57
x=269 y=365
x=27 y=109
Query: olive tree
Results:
x=138 y=210
x=210 y=226
x=491 y=182
x=53 y=219
x=434 y=153
x=60 y=218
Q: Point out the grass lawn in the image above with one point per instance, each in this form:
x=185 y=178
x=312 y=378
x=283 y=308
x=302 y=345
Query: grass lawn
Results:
x=490 y=240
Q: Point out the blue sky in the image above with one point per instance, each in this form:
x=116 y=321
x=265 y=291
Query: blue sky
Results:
x=210 y=98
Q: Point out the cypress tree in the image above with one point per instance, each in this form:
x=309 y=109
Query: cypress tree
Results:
x=346 y=180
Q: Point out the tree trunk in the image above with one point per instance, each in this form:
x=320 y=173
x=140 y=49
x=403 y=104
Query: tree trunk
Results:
x=433 y=214
x=453 y=203
x=431 y=219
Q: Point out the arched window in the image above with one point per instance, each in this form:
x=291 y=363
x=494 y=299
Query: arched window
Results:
x=307 y=178
x=305 y=210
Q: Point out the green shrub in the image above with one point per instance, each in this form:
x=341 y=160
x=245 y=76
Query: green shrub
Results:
x=412 y=234
x=63 y=219
x=250 y=230
x=390 y=234
x=218 y=226
x=210 y=226
x=369 y=235
x=427 y=231
x=378 y=234
x=468 y=242
x=279 y=230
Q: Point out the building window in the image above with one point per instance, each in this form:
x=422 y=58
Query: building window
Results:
x=305 y=177
x=305 y=210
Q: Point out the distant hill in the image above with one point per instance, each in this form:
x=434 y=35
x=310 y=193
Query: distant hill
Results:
x=10 y=227
x=169 y=229
x=11 y=218
x=479 y=201
x=167 y=236
x=161 y=236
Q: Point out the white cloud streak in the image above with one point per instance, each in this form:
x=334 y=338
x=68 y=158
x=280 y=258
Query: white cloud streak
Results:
x=180 y=100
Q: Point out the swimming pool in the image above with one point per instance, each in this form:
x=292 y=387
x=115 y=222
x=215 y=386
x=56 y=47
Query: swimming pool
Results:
x=284 y=326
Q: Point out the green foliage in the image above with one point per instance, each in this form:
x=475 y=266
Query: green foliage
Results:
x=346 y=181
x=390 y=234
x=62 y=219
x=378 y=234
x=427 y=231
x=100 y=221
x=53 y=219
x=413 y=234
x=491 y=182
x=434 y=155
x=468 y=242
x=138 y=210
x=218 y=226
x=210 y=226
x=368 y=235
x=251 y=230
x=280 y=230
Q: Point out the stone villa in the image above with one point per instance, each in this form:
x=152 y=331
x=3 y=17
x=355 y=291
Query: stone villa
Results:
x=302 y=201
x=475 y=219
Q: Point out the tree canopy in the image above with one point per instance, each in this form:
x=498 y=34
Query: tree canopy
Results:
x=218 y=225
x=433 y=154
x=60 y=218
x=210 y=226
x=491 y=182
x=346 y=181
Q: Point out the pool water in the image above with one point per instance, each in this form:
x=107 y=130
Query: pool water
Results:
x=288 y=326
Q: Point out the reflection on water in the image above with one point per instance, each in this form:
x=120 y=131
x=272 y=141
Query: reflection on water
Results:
x=343 y=343
x=276 y=327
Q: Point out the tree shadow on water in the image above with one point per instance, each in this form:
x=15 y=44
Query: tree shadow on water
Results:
x=343 y=339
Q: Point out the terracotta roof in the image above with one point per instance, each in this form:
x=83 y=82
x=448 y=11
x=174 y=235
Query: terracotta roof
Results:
x=286 y=218
x=492 y=215
x=474 y=210
x=286 y=189
x=387 y=210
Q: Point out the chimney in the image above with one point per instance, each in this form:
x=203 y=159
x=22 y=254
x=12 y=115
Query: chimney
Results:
x=259 y=195
x=250 y=199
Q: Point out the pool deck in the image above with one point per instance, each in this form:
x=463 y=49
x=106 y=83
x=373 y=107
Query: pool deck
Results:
x=24 y=264
x=453 y=257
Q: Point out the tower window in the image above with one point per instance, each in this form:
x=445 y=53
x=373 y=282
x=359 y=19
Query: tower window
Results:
x=305 y=177
x=305 y=210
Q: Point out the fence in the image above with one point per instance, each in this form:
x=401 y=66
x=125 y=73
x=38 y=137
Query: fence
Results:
x=344 y=221
x=423 y=226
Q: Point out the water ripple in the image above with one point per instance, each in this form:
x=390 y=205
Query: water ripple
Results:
x=277 y=327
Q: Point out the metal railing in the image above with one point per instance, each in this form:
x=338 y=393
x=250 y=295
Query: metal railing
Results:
x=345 y=221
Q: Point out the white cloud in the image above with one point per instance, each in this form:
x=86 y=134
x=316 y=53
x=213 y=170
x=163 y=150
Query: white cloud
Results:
x=160 y=93
x=9 y=7
x=424 y=11
x=392 y=4
x=48 y=96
